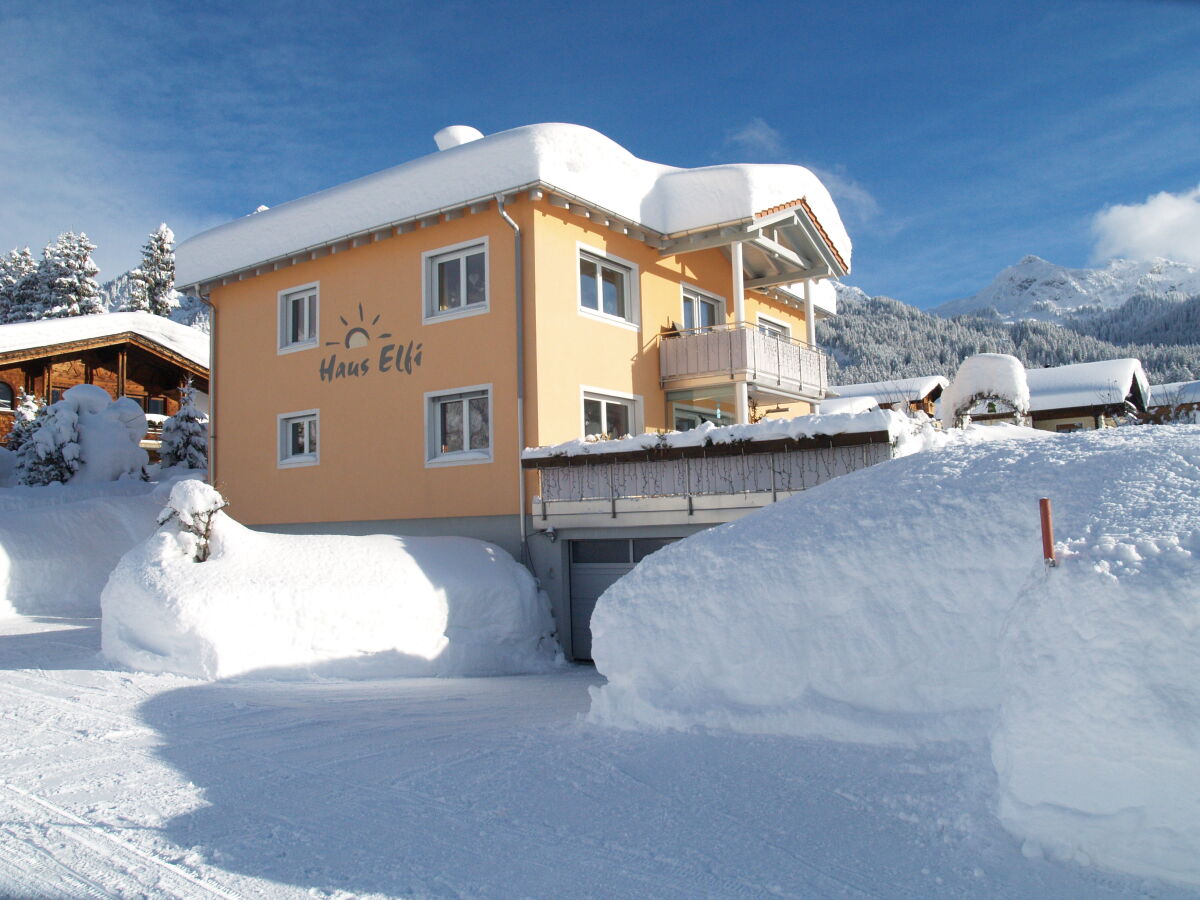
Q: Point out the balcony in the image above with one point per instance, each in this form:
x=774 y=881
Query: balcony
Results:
x=703 y=357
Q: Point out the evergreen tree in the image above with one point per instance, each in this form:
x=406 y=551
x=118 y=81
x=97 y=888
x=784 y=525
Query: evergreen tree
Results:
x=26 y=414
x=185 y=434
x=18 y=284
x=152 y=285
x=67 y=278
x=51 y=452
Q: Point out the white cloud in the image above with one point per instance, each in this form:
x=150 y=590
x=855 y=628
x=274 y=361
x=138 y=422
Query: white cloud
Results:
x=758 y=140
x=1166 y=225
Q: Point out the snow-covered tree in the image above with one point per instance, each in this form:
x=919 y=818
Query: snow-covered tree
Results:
x=152 y=284
x=185 y=434
x=29 y=408
x=18 y=284
x=192 y=506
x=51 y=450
x=66 y=278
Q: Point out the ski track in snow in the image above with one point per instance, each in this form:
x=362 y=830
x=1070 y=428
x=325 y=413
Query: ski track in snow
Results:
x=118 y=784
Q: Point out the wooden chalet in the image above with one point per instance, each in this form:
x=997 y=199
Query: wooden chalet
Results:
x=133 y=354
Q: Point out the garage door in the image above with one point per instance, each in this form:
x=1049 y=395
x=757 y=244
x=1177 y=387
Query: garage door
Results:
x=594 y=566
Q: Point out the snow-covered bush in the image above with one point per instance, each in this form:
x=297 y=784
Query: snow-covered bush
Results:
x=983 y=378
x=185 y=434
x=192 y=506
x=29 y=408
x=375 y=605
x=85 y=436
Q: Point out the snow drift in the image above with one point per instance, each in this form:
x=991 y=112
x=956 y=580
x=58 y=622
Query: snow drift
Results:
x=907 y=603
x=376 y=605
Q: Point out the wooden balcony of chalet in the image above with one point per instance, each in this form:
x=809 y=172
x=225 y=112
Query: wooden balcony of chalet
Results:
x=702 y=357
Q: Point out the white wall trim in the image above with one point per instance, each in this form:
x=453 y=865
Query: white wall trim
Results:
x=281 y=319
x=633 y=282
x=427 y=257
x=434 y=460
x=295 y=462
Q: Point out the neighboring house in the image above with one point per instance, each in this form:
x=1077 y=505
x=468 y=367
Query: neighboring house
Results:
x=902 y=394
x=1178 y=401
x=420 y=327
x=1079 y=397
x=131 y=354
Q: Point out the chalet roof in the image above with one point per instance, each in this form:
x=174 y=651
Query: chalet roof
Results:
x=908 y=389
x=45 y=334
x=1174 y=393
x=571 y=159
x=1104 y=383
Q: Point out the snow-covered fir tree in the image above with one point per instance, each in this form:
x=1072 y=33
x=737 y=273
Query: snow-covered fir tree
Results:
x=152 y=285
x=18 y=285
x=185 y=434
x=51 y=452
x=66 y=278
x=28 y=409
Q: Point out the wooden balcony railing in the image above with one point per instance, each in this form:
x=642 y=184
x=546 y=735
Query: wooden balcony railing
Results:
x=743 y=352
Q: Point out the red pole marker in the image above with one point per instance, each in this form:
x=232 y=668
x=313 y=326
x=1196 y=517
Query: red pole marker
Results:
x=1047 y=532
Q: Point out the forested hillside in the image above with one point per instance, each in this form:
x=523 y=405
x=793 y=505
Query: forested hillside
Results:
x=878 y=338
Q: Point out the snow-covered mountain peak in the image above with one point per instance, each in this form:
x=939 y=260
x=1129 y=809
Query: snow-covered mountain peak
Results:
x=1038 y=289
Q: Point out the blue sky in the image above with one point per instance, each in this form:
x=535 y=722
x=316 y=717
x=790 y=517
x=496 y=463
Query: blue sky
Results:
x=956 y=137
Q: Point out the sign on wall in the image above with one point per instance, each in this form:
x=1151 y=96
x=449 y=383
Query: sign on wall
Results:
x=361 y=353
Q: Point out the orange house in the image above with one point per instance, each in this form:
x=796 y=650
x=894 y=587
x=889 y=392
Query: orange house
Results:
x=417 y=328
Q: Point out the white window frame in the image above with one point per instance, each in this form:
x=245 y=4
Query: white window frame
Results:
x=286 y=459
x=778 y=323
x=434 y=458
x=689 y=293
x=284 y=317
x=633 y=302
x=429 y=260
x=632 y=401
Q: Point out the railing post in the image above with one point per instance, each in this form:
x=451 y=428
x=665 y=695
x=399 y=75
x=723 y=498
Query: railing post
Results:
x=612 y=493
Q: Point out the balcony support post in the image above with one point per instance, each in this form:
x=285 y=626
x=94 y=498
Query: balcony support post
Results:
x=810 y=319
x=741 y=392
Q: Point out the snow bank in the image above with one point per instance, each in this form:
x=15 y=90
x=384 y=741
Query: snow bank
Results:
x=985 y=376
x=928 y=615
x=58 y=543
x=336 y=605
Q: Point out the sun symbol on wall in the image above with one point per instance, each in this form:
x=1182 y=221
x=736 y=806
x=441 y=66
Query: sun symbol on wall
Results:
x=357 y=335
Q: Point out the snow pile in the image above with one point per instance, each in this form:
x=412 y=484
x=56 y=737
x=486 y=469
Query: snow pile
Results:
x=928 y=615
x=58 y=543
x=336 y=605
x=985 y=376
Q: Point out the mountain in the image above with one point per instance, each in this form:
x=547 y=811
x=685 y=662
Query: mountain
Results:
x=1037 y=289
x=880 y=339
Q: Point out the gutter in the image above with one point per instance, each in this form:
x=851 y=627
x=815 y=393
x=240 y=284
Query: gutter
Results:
x=519 y=294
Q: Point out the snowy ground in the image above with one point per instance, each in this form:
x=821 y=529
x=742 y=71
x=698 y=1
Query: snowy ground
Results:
x=118 y=784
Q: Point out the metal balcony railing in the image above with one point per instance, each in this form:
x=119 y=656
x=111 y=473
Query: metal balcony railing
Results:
x=743 y=352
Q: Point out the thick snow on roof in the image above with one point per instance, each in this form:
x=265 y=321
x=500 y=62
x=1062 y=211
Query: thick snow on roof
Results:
x=188 y=342
x=909 y=389
x=1174 y=393
x=572 y=158
x=1084 y=384
x=839 y=405
x=796 y=428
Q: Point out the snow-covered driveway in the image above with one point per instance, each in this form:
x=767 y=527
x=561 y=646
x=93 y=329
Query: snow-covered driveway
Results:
x=116 y=784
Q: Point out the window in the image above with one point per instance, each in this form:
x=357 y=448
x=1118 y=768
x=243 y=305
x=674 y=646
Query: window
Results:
x=774 y=329
x=156 y=406
x=456 y=280
x=609 y=417
x=6 y=396
x=298 y=318
x=298 y=438
x=687 y=419
x=607 y=287
x=459 y=426
x=700 y=310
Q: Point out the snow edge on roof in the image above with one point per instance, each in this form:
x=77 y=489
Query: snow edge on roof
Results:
x=190 y=343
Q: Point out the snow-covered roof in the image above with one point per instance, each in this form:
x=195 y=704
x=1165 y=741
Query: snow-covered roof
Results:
x=910 y=389
x=190 y=343
x=1174 y=393
x=838 y=405
x=571 y=158
x=797 y=428
x=1104 y=383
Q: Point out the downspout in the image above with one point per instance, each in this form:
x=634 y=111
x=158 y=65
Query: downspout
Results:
x=212 y=386
x=520 y=298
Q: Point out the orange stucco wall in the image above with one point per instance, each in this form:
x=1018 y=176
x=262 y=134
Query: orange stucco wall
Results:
x=373 y=426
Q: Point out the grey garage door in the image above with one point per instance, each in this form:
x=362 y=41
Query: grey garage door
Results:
x=594 y=566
